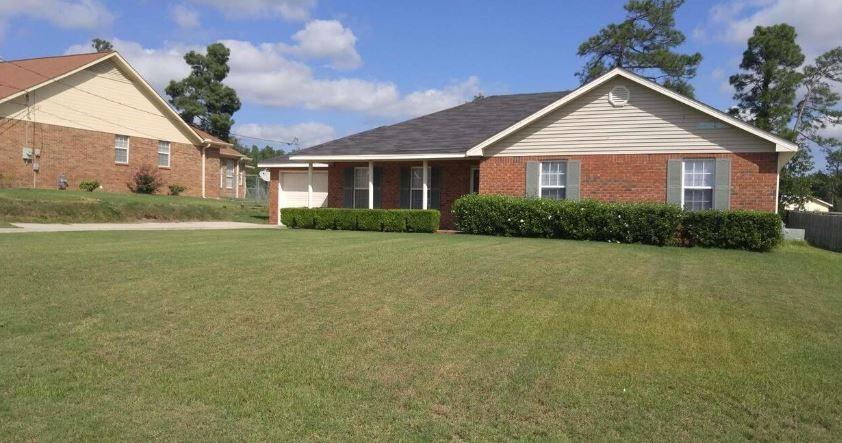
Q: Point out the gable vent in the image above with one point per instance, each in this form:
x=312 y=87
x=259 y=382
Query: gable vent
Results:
x=619 y=96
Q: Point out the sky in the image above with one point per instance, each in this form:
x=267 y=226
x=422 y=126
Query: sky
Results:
x=314 y=70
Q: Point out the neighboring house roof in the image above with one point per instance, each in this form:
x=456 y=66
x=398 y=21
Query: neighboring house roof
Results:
x=226 y=151
x=821 y=202
x=284 y=161
x=465 y=130
x=449 y=132
x=17 y=77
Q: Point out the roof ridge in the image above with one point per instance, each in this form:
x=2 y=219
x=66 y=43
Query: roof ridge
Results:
x=564 y=91
x=104 y=53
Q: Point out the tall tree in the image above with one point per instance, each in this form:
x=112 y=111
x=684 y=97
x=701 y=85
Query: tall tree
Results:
x=101 y=45
x=765 y=94
x=201 y=98
x=642 y=43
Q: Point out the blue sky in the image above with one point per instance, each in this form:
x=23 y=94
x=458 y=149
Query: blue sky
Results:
x=319 y=69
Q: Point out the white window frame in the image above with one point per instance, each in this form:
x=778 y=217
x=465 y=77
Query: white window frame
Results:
x=168 y=153
x=421 y=188
x=364 y=189
x=471 y=189
x=541 y=186
x=685 y=187
x=229 y=174
x=120 y=148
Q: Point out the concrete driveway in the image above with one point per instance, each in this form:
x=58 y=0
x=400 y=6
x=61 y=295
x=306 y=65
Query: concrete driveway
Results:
x=149 y=226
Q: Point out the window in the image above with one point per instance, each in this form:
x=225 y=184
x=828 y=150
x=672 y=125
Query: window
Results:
x=121 y=149
x=416 y=187
x=164 y=154
x=553 y=180
x=229 y=174
x=361 y=187
x=474 y=180
x=697 y=184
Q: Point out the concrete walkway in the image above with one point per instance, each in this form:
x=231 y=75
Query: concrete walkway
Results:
x=149 y=226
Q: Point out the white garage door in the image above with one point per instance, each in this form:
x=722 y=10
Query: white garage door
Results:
x=294 y=189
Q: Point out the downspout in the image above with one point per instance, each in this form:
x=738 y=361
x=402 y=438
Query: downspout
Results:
x=204 y=147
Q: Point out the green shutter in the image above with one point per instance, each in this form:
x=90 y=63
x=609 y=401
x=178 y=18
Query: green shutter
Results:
x=378 y=175
x=573 y=178
x=404 y=187
x=674 y=181
x=435 y=188
x=722 y=186
x=348 y=188
x=533 y=174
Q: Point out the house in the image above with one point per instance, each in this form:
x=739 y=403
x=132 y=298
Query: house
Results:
x=812 y=204
x=92 y=117
x=618 y=138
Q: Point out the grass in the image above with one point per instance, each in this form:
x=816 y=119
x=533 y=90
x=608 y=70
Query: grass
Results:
x=270 y=335
x=4 y=224
x=53 y=206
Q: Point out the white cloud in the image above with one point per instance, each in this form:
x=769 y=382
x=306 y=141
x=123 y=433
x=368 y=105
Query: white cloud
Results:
x=185 y=16
x=157 y=66
x=816 y=21
x=308 y=134
x=330 y=40
x=292 y=10
x=81 y=14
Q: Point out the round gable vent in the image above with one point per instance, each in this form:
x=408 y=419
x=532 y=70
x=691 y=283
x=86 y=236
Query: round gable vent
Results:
x=619 y=96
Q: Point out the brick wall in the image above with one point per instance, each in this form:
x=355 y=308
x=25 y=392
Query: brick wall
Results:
x=456 y=176
x=639 y=177
x=85 y=155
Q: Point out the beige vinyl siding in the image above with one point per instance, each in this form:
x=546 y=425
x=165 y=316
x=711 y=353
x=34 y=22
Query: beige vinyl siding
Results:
x=77 y=101
x=649 y=123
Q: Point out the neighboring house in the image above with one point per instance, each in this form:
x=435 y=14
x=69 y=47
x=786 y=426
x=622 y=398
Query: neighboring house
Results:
x=618 y=138
x=92 y=117
x=812 y=204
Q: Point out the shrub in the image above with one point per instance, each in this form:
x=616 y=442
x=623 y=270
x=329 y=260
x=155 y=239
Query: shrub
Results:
x=749 y=230
x=145 y=180
x=647 y=223
x=177 y=189
x=390 y=220
x=89 y=185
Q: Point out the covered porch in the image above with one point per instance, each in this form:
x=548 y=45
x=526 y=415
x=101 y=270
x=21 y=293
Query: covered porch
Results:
x=426 y=183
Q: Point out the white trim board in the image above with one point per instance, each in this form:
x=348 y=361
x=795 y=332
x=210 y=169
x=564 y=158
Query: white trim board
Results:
x=781 y=145
x=291 y=165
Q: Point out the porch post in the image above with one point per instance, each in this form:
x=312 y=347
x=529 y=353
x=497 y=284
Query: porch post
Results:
x=426 y=184
x=203 y=171
x=370 y=185
x=237 y=180
x=280 y=192
x=310 y=185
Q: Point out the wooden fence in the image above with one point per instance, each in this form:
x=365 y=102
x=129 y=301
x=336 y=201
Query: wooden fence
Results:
x=820 y=229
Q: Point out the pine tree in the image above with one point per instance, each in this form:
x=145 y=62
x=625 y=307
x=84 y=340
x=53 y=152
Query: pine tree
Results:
x=201 y=98
x=642 y=43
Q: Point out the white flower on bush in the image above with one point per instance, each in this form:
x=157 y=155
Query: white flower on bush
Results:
x=521 y=220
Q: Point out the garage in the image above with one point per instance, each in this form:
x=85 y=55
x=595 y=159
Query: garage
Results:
x=294 y=189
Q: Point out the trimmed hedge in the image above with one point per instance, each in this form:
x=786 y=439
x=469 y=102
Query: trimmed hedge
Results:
x=389 y=220
x=647 y=223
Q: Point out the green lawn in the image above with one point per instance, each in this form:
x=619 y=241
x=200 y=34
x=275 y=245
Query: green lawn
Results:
x=53 y=206
x=259 y=335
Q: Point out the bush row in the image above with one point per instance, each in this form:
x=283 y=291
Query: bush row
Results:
x=389 y=220
x=647 y=223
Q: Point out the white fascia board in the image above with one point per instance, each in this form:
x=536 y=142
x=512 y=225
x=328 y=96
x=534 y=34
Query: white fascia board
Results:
x=781 y=145
x=376 y=157
x=168 y=111
x=291 y=165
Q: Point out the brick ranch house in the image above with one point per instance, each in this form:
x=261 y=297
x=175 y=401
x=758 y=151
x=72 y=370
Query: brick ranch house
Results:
x=92 y=117
x=618 y=138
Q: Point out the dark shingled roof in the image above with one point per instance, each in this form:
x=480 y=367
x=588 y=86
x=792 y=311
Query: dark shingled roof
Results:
x=451 y=131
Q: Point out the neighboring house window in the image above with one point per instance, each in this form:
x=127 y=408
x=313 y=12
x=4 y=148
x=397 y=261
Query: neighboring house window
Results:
x=164 y=154
x=361 y=187
x=553 y=180
x=474 y=180
x=416 y=187
x=121 y=149
x=697 y=184
x=229 y=174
